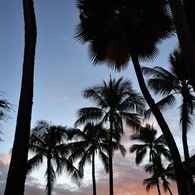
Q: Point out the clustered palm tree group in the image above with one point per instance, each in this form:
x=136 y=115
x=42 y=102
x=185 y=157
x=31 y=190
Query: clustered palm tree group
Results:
x=116 y=103
x=116 y=31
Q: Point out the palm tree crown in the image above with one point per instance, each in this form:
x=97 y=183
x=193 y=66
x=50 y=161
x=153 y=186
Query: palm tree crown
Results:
x=49 y=141
x=114 y=29
x=155 y=145
x=156 y=175
x=149 y=141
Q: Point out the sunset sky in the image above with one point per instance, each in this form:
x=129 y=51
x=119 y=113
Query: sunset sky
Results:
x=62 y=71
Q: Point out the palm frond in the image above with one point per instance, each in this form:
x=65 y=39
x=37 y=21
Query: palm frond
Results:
x=163 y=104
x=34 y=162
x=88 y=114
x=105 y=160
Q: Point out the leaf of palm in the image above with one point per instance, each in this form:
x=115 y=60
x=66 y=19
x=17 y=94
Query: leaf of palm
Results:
x=141 y=151
x=150 y=183
x=88 y=114
x=94 y=95
x=161 y=81
x=34 y=162
x=162 y=105
x=75 y=174
x=131 y=119
x=104 y=158
x=86 y=157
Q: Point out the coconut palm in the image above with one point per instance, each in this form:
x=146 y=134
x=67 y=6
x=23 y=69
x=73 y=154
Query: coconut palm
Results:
x=92 y=140
x=183 y=15
x=159 y=173
x=155 y=145
x=48 y=141
x=114 y=100
x=17 y=169
x=118 y=31
x=169 y=84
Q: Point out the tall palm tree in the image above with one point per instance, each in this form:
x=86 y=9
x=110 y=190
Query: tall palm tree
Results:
x=17 y=170
x=155 y=145
x=92 y=140
x=118 y=31
x=49 y=141
x=169 y=84
x=114 y=100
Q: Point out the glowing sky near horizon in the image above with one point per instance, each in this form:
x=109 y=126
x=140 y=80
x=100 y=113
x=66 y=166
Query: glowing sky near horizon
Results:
x=62 y=70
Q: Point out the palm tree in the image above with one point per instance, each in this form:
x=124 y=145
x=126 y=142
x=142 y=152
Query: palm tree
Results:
x=156 y=174
x=149 y=141
x=114 y=100
x=169 y=84
x=92 y=140
x=183 y=16
x=49 y=141
x=17 y=170
x=118 y=31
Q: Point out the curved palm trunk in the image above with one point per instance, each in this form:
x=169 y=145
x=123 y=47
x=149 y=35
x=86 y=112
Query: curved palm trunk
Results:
x=155 y=170
x=169 y=190
x=164 y=127
x=185 y=148
x=110 y=158
x=184 y=36
x=17 y=170
x=48 y=176
x=93 y=173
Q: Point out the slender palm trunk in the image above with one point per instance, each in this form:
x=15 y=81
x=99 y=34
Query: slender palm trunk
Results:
x=48 y=176
x=155 y=173
x=169 y=190
x=184 y=36
x=110 y=158
x=93 y=173
x=185 y=147
x=17 y=170
x=164 y=127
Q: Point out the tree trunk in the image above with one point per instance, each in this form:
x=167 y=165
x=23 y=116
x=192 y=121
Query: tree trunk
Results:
x=49 y=176
x=110 y=158
x=184 y=36
x=17 y=170
x=164 y=127
x=155 y=172
x=185 y=147
x=93 y=173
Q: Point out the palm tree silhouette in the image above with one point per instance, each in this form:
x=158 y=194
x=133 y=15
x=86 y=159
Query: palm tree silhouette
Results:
x=169 y=84
x=49 y=141
x=159 y=173
x=114 y=100
x=118 y=31
x=17 y=169
x=155 y=145
x=94 y=139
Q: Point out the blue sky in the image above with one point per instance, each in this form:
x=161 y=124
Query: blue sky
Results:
x=62 y=70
